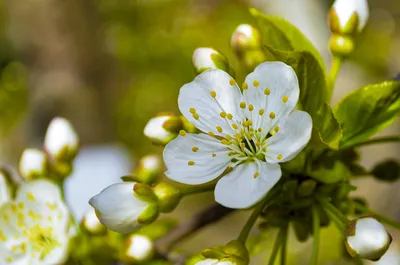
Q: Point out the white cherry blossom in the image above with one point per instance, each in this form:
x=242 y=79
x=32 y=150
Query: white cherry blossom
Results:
x=245 y=135
x=214 y=262
x=34 y=228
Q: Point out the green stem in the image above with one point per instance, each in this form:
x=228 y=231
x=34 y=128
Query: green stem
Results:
x=244 y=234
x=335 y=66
x=381 y=217
x=330 y=207
x=337 y=220
x=316 y=224
x=378 y=140
x=190 y=190
x=276 y=247
x=284 y=244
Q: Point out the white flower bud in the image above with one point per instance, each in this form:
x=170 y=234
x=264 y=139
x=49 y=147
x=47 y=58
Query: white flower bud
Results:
x=158 y=129
x=208 y=58
x=5 y=189
x=148 y=169
x=245 y=37
x=137 y=248
x=348 y=16
x=92 y=224
x=367 y=238
x=61 y=140
x=33 y=164
x=122 y=207
x=214 y=262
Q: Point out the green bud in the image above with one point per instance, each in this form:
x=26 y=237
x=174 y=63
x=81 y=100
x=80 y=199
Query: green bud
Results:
x=163 y=128
x=234 y=253
x=341 y=46
x=348 y=17
x=149 y=168
x=60 y=170
x=168 y=196
x=33 y=164
x=208 y=58
x=387 y=171
x=149 y=215
x=307 y=188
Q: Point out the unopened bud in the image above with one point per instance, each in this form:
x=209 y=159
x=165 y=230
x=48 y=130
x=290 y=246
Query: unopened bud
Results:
x=5 y=188
x=233 y=253
x=162 y=129
x=341 y=46
x=367 y=238
x=136 y=249
x=92 y=224
x=124 y=207
x=33 y=164
x=148 y=169
x=208 y=58
x=168 y=196
x=348 y=17
x=61 y=140
x=246 y=42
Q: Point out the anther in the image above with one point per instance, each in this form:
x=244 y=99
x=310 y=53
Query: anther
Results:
x=276 y=129
x=251 y=107
x=235 y=126
x=229 y=116
x=213 y=93
x=196 y=116
x=232 y=82
x=272 y=115
x=192 y=110
x=279 y=157
x=182 y=132
x=256 y=83
x=191 y=163
x=195 y=149
x=223 y=114
x=245 y=86
x=256 y=175
x=243 y=105
x=261 y=112
x=219 y=129
x=285 y=99
x=267 y=91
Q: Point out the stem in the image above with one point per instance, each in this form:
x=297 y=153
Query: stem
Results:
x=316 y=223
x=190 y=190
x=377 y=140
x=335 y=66
x=277 y=245
x=330 y=207
x=381 y=217
x=338 y=222
x=250 y=222
x=254 y=216
x=284 y=244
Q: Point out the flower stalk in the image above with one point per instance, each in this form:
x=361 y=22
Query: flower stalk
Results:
x=316 y=228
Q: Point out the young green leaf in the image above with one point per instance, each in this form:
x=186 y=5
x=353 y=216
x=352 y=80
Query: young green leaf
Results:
x=367 y=111
x=279 y=33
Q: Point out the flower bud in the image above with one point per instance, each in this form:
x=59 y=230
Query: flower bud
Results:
x=91 y=224
x=148 y=169
x=5 y=188
x=137 y=248
x=341 y=46
x=162 y=129
x=123 y=207
x=33 y=164
x=233 y=253
x=348 y=17
x=61 y=140
x=168 y=196
x=367 y=238
x=208 y=58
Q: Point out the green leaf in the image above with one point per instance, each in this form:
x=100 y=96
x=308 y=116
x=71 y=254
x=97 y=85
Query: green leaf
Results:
x=388 y=170
x=279 y=33
x=312 y=82
x=367 y=111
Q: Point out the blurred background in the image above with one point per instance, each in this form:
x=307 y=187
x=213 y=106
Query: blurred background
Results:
x=110 y=65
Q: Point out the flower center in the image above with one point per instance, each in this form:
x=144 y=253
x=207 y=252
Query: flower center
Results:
x=41 y=240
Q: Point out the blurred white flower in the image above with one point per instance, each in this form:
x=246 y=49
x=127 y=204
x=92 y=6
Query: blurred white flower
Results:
x=92 y=224
x=32 y=164
x=214 y=262
x=34 y=228
x=245 y=135
x=208 y=58
x=148 y=169
x=347 y=16
x=367 y=238
x=120 y=209
x=137 y=248
x=61 y=140
x=5 y=189
x=245 y=37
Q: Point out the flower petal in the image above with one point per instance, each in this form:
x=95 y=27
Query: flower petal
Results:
x=118 y=208
x=195 y=158
x=39 y=190
x=293 y=136
x=273 y=88
x=240 y=189
x=204 y=99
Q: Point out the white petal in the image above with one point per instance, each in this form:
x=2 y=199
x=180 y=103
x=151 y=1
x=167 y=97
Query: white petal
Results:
x=60 y=135
x=118 y=208
x=140 y=248
x=239 y=189
x=155 y=131
x=280 y=82
x=210 y=159
x=42 y=190
x=208 y=262
x=32 y=163
x=345 y=9
x=59 y=254
x=293 y=136
x=196 y=95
